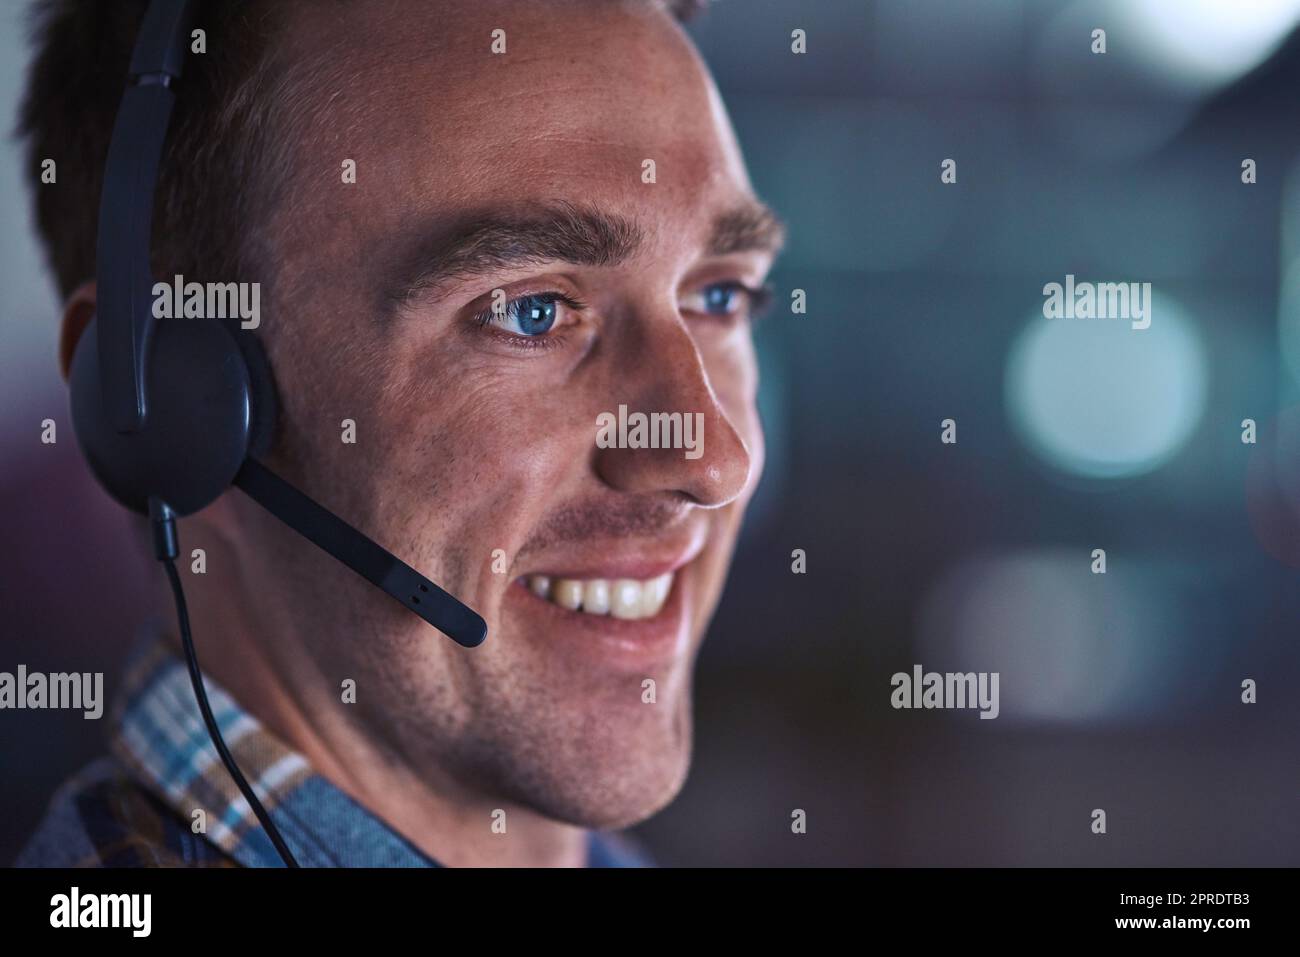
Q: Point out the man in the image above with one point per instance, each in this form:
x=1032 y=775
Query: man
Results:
x=479 y=229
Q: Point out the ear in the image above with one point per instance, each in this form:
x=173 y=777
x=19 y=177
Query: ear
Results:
x=77 y=313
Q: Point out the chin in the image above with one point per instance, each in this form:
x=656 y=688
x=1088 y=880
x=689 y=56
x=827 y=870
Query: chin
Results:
x=639 y=794
x=613 y=777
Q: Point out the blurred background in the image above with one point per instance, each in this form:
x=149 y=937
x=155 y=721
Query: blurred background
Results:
x=1119 y=691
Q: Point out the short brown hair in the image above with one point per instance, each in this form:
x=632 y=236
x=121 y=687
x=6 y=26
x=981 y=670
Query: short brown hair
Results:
x=207 y=189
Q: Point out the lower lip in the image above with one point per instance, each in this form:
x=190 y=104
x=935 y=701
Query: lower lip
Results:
x=617 y=641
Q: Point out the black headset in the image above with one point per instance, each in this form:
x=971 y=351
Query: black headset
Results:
x=171 y=413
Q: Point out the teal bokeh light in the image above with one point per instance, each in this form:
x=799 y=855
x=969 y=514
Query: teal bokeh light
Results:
x=1100 y=399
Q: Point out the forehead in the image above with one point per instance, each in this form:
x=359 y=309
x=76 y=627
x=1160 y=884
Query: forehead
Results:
x=585 y=92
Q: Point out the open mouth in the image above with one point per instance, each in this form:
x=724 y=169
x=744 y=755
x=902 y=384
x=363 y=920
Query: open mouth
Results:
x=626 y=598
x=627 y=604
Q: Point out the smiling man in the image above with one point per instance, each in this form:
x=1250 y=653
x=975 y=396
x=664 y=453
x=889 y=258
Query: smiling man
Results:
x=478 y=227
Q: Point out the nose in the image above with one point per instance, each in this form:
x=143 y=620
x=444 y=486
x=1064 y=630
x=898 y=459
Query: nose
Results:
x=667 y=383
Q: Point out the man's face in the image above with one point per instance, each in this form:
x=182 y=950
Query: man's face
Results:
x=475 y=456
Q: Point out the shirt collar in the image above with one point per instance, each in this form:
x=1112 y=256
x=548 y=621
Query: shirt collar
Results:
x=158 y=732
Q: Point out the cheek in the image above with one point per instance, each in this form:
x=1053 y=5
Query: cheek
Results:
x=732 y=367
x=754 y=441
x=731 y=364
x=477 y=454
x=333 y=434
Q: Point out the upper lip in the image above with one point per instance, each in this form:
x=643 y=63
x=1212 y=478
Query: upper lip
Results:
x=636 y=559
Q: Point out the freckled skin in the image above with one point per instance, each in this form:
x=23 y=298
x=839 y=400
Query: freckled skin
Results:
x=466 y=444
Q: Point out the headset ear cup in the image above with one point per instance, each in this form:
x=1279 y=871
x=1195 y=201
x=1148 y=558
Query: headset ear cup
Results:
x=262 y=394
x=195 y=437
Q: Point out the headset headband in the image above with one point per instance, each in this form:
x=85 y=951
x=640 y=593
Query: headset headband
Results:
x=124 y=280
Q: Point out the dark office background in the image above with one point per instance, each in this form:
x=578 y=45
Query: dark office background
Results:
x=1119 y=691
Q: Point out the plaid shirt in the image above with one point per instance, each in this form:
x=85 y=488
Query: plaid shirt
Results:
x=142 y=806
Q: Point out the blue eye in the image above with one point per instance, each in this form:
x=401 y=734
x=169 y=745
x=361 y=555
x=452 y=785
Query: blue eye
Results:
x=528 y=315
x=727 y=299
x=720 y=298
x=532 y=315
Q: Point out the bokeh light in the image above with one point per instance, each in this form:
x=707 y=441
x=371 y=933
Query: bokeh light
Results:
x=1069 y=645
x=1100 y=399
x=1203 y=44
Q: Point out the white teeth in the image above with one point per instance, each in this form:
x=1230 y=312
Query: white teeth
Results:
x=654 y=593
x=623 y=598
x=595 y=597
x=567 y=593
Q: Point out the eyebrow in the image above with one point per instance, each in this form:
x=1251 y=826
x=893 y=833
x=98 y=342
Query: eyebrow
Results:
x=750 y=227
x=492 y=240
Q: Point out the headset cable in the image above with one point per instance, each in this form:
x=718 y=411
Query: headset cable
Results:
x=165 y=549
